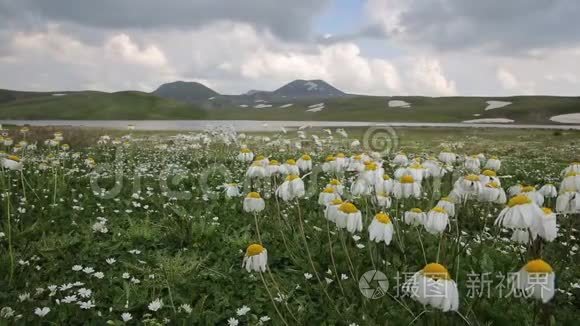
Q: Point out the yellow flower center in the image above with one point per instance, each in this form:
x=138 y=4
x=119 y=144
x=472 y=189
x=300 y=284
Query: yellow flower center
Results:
x=528 y=189
x=259 y=158
x=328 y=190
x=493 y=184
x=329 y=158
x=416 y=210
x=245 y=150
x=357 y=157
x=254 y=195
x=519 y=200
x=336 y=201
x=348 y=208
x=416 y=166
x=372 y=166
x=291 y=162
x=407 y=179
x=447 y=199
x=538 y=266
x=306 y=157
x=383 y=218
x=489 y=173
x=334 y=182
x=572 y=174
x=254 y=249
x=439 y=210
x=340 y=155
x=436 y=271
x=14 y=158
x=471 y=177
x=547 y=210
x=386 y=177
x=232 y=184
x=273 y=162
x=292 y=177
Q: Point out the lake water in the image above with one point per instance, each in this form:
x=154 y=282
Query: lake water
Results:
x=250 y=125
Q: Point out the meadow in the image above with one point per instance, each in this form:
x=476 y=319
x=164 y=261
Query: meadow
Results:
x=224 y=228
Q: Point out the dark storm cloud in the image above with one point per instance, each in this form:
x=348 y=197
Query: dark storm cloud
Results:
x=287 y=19
x=493 y=25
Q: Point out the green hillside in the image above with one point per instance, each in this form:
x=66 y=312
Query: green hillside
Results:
x=524 y=109
x=131 y=105
x=93 y=106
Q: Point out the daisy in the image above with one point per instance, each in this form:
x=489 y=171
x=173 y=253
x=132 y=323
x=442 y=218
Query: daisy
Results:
x=493 y=164
x=385 y=184
x=331 y=212
x=256 y=170
x=433 y=286
x=572 y=168
x=273 y=168
x=568 y=202
x=336 y=185
x=531 y=193
x=524 y=236
x=291 y=188
x=254 y=203
x=520 y=213
x=548 y=191
x=472 y=164
x=12 y=162
x=41 y=312
x=546 y=226
x=383 y=200
x=381 y=228
x=488 y=176
x=492 y=192
x=349 y=217
x=327 y=195
x=304 y=163
x=536 y=279
x=467 y=187
x=290 y=168
x=126 y=317
x=330 y=165
x=437 y=220
x=155 y=305
x=401 y=159
x=255 y=259
x=571 y=182
x=231 y=190
x=360 y=187
x=245 y=155
x=406 y=187
x=415 y=216
x=447 y=157
x=448 y=205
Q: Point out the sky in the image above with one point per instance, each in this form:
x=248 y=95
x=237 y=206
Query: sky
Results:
x=378 y=47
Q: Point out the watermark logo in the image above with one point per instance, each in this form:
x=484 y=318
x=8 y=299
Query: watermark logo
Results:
x=383 y=140
x=373 y=284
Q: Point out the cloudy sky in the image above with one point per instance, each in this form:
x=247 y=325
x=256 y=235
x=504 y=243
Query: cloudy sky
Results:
x=386 y=47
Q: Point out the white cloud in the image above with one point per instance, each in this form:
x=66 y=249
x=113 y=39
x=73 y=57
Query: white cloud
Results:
x=121 y=46
x=507 y=79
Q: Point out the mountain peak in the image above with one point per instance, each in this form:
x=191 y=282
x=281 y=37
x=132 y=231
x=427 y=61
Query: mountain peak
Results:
x=185 y=91
x=308 y=88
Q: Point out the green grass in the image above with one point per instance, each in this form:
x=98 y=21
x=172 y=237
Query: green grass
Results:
x=190 y=248
x=142 y=106
x=97 y=106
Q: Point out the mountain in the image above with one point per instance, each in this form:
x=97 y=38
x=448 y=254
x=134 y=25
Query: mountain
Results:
x=188 y=92
x=308 y=89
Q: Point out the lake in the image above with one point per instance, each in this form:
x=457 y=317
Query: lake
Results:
x=250 y=125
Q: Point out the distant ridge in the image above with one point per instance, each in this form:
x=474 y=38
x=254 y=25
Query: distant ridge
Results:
x=188 y=92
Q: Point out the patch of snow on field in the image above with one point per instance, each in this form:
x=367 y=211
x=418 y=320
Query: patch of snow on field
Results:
x=262 y=106
x=496 y=105
x=399 y=104
x=286 y=105
x=211 y=98
x=315 y=107
x=567 y=118
x=58 y=94
x=477 y=115
x=243 y=105
x=490 y=120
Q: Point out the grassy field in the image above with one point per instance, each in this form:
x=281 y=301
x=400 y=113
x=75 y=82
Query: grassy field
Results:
x=142 y=106
x=135 y=228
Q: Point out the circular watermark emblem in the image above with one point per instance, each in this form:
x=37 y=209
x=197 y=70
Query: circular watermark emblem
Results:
x=381 y=139
x=373 y=284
